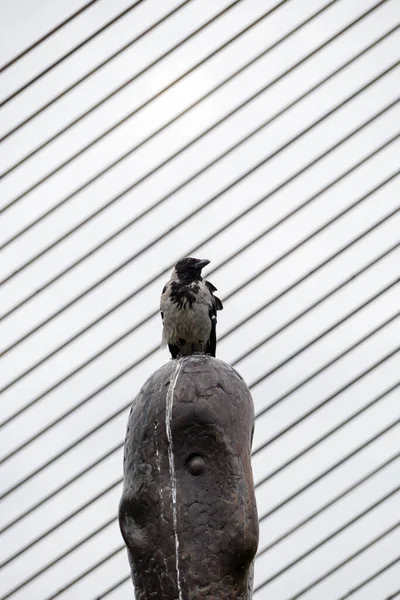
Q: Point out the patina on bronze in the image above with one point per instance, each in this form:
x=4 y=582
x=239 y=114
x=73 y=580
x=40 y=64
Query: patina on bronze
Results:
x=188 y=513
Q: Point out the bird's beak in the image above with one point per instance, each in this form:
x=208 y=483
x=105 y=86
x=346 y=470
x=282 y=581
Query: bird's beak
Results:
x=202 y=263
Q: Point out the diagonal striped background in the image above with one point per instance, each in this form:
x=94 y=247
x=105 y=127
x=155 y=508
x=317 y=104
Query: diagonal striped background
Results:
x=262 y=135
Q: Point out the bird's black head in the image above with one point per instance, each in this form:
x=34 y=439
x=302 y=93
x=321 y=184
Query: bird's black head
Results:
x=190 y=268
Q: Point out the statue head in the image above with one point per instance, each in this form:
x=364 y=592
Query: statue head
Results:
x=188 y=512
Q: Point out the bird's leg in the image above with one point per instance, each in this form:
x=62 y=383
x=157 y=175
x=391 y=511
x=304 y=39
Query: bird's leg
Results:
x=181 y=345
x=176 y=349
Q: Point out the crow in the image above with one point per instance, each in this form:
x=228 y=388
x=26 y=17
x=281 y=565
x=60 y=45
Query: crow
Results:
x=189 y=310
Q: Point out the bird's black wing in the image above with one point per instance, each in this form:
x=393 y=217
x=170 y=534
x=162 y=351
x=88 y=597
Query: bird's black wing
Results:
x=217 y=301
x=211 y=345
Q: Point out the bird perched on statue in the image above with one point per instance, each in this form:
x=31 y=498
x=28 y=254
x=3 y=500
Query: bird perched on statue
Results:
x=189 y=310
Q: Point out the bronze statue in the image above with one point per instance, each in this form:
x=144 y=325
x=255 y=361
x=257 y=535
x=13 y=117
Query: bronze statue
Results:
x=188 y=512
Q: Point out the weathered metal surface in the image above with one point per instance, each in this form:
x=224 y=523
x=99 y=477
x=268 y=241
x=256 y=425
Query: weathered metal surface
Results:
x=188 y=512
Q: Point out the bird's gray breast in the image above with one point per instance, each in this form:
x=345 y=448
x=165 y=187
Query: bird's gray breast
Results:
x=186 y=312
